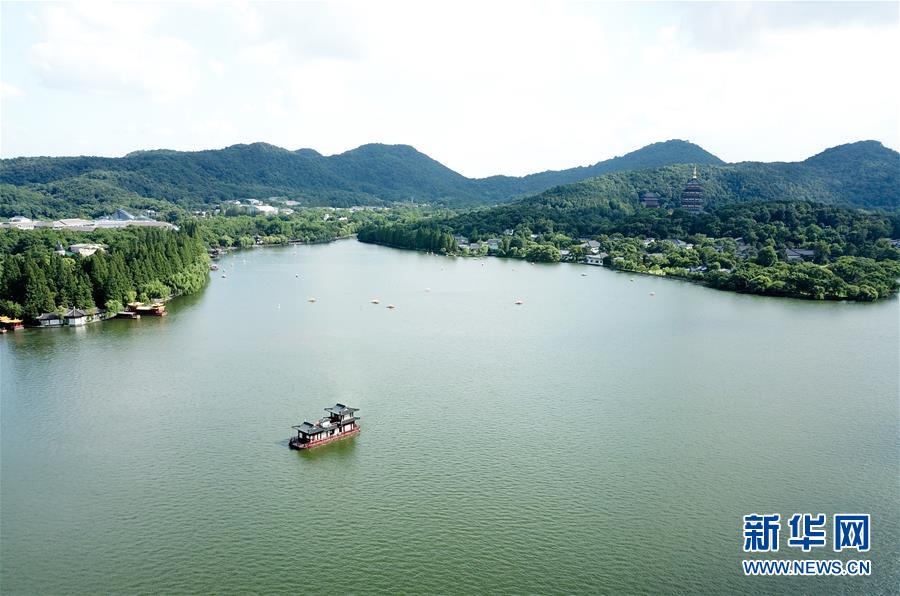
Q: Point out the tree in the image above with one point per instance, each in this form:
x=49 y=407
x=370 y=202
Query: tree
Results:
x=38 y=297
x=767 y=256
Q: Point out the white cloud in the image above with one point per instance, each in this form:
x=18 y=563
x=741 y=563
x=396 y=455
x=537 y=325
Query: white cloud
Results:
x=486 y=88
x=111 y=49
x=10 y=91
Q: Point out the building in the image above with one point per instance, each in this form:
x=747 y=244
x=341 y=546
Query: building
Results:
x=72 y=222
x=8 y=324
x=75 y=317
x=50 y=319
x=595 y=259
x=21 y=222
x=650 y=199
x=591 y=247
x=795 y=255
x=266 y=209
x=122 y=215
x=85 y=250
x=692 y=195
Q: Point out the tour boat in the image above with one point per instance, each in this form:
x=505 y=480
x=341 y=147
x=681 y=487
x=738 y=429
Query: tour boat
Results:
x=340 y=423
x=391 y=306
x=312 y=300
x=375 y=300
x=519 y=302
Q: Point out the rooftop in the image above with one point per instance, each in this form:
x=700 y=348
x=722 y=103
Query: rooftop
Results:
x=340 y=409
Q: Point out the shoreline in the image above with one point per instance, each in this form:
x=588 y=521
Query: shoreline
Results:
x=699 y=282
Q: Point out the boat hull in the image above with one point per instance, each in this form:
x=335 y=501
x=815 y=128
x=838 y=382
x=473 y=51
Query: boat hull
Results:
x=294 y=444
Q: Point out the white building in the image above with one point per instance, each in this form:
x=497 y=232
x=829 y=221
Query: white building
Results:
x=85 y=250
x=21 y=222
x=266 y=209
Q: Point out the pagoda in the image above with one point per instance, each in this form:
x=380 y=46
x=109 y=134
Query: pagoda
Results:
x=692 y=195
x=650 y=199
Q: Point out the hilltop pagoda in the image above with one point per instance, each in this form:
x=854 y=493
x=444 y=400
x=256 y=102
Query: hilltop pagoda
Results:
x=692 y=195
x=650 y=199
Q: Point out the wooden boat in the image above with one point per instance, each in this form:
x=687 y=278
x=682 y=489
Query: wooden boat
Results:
x=340 y=423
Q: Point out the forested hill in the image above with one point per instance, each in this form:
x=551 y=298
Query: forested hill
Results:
x=651 y=156
x=371 y=174
x=864 y=174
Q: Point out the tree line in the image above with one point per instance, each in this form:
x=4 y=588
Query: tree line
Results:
x=135 y=263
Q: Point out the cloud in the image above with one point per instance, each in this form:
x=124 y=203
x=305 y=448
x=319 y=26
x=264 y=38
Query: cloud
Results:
x=723 y=26
x=283 y=33
x=111 y=49
x=487 y=88
x=10 y=91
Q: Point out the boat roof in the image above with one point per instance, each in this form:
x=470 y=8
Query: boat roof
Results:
x=341 y=409
x=308 y=428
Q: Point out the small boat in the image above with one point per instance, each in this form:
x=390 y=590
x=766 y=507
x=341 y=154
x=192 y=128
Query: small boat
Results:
x=311 y=300
x=296 y=275
x=213 y=267
x=584 y=275
x=224 y=276
x=340 y=423
x=375 y=300
x=427 y=289
x=391 y=306
x=519 y=302
x=653 y=293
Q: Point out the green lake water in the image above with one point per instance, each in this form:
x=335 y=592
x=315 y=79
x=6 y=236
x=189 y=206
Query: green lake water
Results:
x=596 y=438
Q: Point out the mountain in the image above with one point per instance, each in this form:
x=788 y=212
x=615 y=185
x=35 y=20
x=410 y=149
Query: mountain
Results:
x=860 y=175
x=370 y=174
x=863 y=174
x=652 y=156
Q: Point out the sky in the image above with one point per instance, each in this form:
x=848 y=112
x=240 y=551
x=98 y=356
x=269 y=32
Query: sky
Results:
x=483 y=87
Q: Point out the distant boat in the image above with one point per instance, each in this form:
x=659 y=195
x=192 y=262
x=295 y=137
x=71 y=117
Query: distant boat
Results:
x=296 y=275
x=375 y=300
x=312 y=300
x=224 y=276
x=427 y=289
x=391 y=306
x=584 y=275
x=653 y=293
x=519 y=302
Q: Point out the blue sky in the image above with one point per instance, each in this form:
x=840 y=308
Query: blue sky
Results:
x=485 y=88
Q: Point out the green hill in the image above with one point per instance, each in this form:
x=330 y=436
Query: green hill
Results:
x=370 y=174
x=861 y=174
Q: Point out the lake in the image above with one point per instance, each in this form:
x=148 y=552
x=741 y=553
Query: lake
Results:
x=596 y=438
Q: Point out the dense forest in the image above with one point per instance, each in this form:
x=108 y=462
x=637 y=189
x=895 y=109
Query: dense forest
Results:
x=744 y=247
x=135 y=263
x=864 y=174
